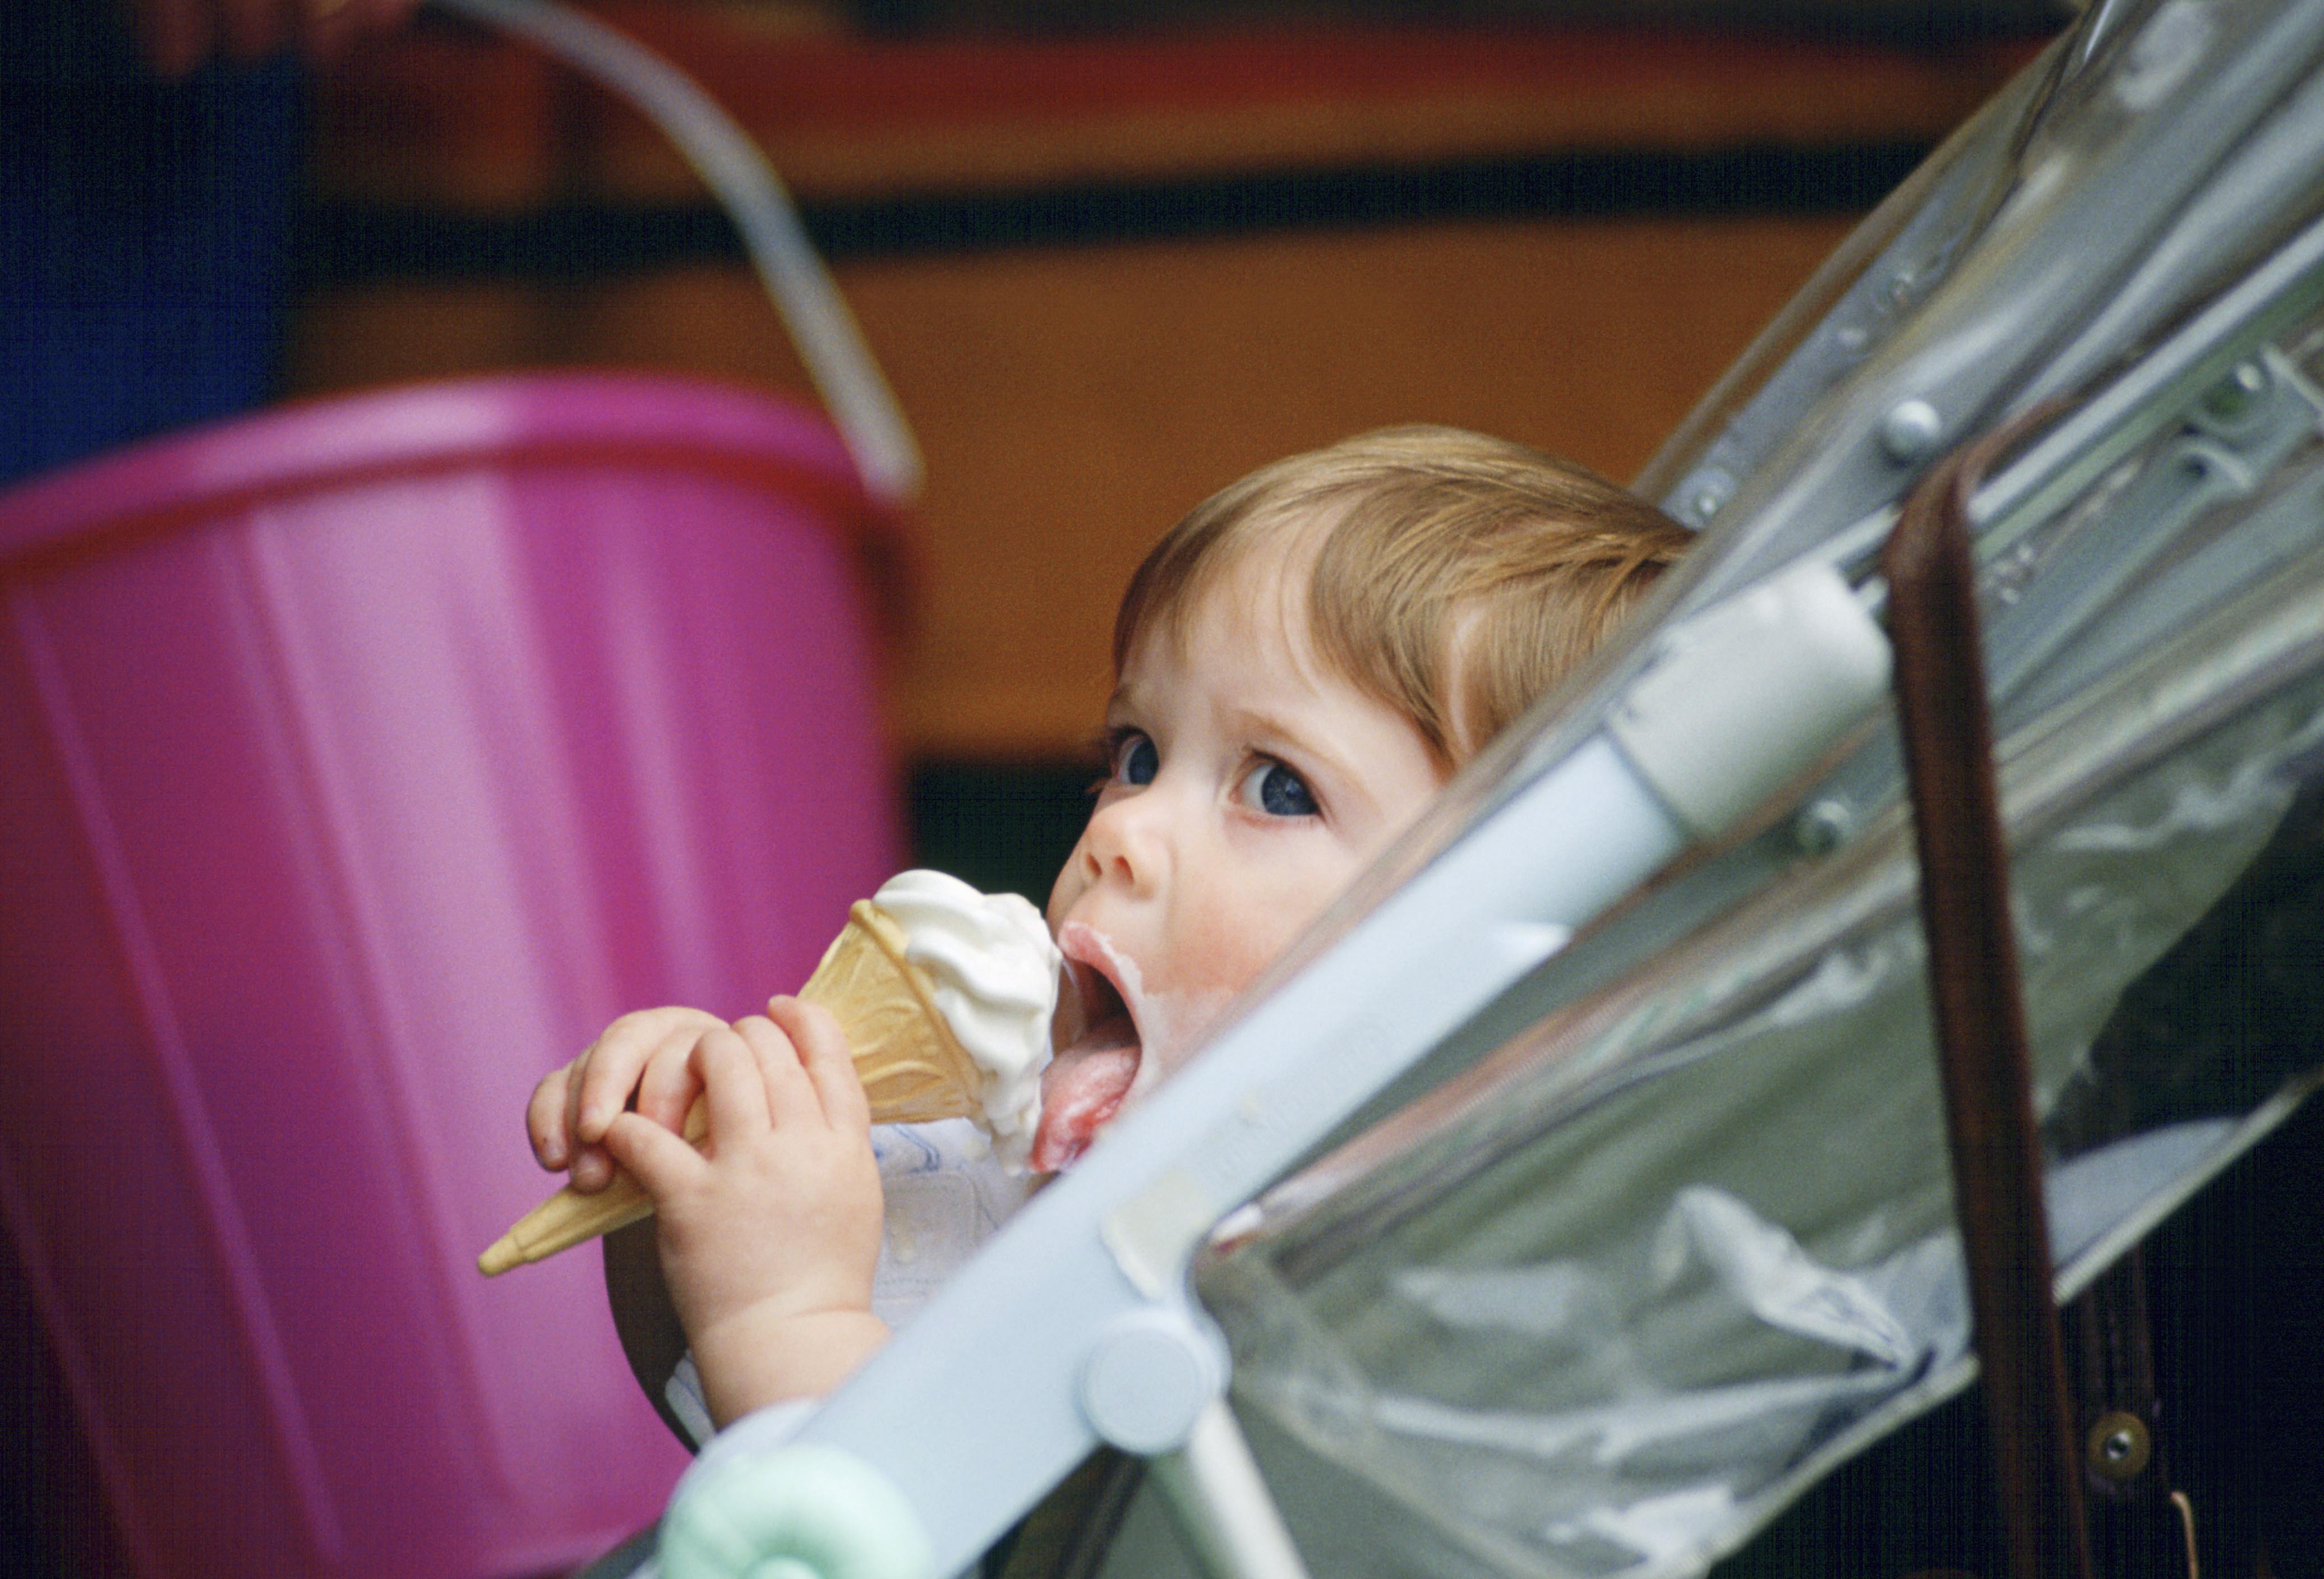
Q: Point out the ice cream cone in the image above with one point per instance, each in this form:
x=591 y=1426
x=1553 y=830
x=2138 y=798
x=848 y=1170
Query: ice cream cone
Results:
x=913 y=1069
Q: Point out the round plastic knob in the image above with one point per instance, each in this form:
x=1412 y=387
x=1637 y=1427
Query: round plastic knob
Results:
x=803 y=1512
x=1146 y=1380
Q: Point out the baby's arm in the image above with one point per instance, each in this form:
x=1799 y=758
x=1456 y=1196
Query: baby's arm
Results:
x=768 y=1237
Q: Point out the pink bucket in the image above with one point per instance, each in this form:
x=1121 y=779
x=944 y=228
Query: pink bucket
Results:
x=361 y=760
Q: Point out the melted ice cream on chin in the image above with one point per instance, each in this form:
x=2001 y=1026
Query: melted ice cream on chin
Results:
x=994 y=971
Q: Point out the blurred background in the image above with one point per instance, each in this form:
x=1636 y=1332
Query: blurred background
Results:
x=1114 y=256
x=1111 y=255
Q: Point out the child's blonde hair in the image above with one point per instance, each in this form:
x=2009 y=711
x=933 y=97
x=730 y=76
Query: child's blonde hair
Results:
x=1456 y=578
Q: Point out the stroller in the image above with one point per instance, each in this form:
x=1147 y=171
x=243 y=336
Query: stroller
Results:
x=1585 y=1193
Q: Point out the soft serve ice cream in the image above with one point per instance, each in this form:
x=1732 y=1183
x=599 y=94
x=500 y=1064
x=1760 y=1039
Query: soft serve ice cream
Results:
x=992 y=972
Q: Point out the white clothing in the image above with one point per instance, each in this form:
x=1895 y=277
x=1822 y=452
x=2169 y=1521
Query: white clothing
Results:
x=944 y=1193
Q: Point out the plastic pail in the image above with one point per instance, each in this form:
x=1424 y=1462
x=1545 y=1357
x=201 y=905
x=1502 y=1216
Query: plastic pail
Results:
x=357 y=764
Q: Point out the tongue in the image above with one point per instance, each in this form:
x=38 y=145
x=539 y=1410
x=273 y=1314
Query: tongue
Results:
x=1080 y=1091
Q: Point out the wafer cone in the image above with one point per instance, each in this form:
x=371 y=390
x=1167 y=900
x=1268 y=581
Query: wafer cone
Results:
x=913 y=1069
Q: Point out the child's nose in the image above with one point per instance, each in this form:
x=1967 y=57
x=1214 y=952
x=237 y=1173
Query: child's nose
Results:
x=1124 y=844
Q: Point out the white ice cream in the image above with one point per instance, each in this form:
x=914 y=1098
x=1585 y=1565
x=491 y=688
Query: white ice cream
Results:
x=994 y=971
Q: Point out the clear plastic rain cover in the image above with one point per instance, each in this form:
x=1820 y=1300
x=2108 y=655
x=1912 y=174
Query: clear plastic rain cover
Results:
x=1633 y=1259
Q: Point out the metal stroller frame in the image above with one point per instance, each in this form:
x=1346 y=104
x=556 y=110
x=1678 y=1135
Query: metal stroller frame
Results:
x=2130 y=237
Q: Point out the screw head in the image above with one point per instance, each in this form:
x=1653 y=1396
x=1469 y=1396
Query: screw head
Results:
x=1910 y=431
x=2118 y=1445
x=2237 y=394
x=1824 y=826
x=1705 y=494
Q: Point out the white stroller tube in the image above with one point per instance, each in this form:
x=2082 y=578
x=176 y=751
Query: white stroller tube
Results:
x=1072 y=1327
x=829 y=341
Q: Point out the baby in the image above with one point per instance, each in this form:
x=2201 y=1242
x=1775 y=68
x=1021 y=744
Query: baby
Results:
x=1300 y=665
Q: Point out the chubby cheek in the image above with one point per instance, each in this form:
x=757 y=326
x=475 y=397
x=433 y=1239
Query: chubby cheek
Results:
x=1171 y=1027
x=1218 y=954
x=1217 y=950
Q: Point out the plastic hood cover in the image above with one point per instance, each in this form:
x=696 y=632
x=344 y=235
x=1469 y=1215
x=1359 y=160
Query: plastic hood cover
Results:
x=1608 y=1300
x=1636 y=1257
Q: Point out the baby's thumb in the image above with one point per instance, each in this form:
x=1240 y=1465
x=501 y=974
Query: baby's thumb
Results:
x=652 y=1155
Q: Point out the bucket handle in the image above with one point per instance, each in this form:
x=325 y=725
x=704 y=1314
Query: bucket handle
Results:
x=829 y=341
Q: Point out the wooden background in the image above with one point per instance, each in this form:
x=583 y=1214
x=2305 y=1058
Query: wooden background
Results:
x=1107 y=275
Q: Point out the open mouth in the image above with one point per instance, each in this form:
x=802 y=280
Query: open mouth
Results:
x=1097 y=1055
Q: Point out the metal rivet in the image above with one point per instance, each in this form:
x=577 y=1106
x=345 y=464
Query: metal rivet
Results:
x=1823 y=826
x=1910 y=431
x=2237 y=392
x=2119 y=1446
x=1706 y=493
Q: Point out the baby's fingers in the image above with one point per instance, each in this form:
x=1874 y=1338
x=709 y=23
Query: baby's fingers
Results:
x=733 y=1087
x=666 y=1090
x=599 y=1084
x=791 y=1099
x=606 y=1076
x=547 y=1121
x=544 y=1122
x=829 y=1061
x=607 y=1062
x=654 y=1156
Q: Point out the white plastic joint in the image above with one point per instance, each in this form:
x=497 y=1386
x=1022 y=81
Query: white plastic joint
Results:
x=1751 y=692
x=1149 y=1378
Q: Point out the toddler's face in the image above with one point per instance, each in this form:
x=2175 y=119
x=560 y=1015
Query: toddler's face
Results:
x=1247 y=787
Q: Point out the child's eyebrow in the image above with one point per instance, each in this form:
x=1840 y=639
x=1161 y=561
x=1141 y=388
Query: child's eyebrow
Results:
x=1255 y=723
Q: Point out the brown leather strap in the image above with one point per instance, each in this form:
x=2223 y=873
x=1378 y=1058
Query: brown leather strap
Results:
x=1973 y=981
x=2135 y=1529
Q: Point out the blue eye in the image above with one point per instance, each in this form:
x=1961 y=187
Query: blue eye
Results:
x=1135 y=760
x=1277 y=791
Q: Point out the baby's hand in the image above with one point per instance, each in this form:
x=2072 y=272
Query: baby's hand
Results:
x=770 y=1234
x=648 y=1055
